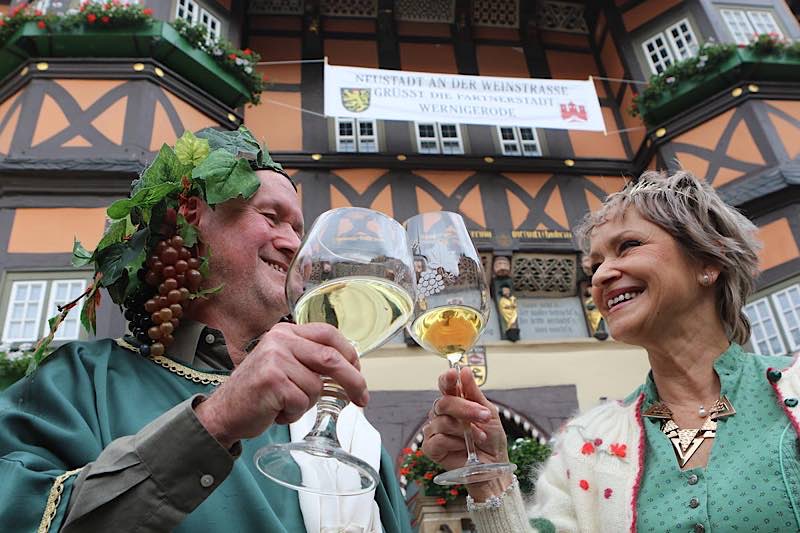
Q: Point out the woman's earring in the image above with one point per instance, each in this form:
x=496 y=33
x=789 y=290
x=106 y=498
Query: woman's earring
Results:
x=706 y=280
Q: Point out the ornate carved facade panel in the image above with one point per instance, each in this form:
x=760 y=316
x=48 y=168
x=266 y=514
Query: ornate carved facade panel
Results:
x=544 y=274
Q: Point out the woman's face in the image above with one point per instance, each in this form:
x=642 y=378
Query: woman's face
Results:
x=643 y=283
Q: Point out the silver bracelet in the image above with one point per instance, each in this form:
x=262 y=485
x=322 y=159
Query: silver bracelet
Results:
x=492 y=502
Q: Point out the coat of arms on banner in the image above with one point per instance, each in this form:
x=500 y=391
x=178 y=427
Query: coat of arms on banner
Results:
x=572 y=113
x=476 y=360
x=355 y=100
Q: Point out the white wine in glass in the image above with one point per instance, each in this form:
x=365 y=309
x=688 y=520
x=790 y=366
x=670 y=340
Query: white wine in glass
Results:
x=450 y=312
x=354 y=271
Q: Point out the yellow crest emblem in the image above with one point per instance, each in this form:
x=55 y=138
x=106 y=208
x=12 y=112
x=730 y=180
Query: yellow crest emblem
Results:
x=355 y=100
x=476 y=360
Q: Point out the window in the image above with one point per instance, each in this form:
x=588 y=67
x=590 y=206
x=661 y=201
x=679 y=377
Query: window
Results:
x=519 y=141
x=27 y=317
x=191 y=12
x=745 y=25
x=787 y=302
x=764 y=334
x=437 y=138
x=682 y=39
x=24 y=314
x=62 y=292
x=664 y=48
x=356 y=135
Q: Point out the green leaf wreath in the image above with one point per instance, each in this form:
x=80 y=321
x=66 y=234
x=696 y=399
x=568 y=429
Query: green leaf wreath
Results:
x=213 y=165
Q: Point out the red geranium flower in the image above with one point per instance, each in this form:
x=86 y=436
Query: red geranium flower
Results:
x=454 y=492
x=587 y=449
x=404 y=471
x=105 y=19
x=2 y=22
x=38 y=13
x=441 y=501
x=231 y=56
x=147 y=11
x=41 y=24
x=419 y=453
x=90 y=18
x=428 y=475
x=620 y=450
x=407 y=451
x=247 y=51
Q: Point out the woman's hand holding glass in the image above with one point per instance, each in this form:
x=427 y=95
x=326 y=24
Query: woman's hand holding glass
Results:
x=444 y=432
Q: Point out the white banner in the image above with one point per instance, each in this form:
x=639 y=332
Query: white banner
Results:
x=423 y=97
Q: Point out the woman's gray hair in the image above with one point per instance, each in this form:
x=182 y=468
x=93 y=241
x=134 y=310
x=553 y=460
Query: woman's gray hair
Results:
x=707 y=229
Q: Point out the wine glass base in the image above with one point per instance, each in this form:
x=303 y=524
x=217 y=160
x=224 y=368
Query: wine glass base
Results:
x=474 y=473
x=316 y=466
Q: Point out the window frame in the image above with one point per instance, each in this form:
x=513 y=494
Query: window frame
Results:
x=518 y=141
x=49 y=278
x=748 y=17
x=74 y=315
x=197 y=16
x=673 y=41
x=753 y=341
x=8 y=304
x=664 y=33
x=439 y=139
x=358 y=139
x=774 y=297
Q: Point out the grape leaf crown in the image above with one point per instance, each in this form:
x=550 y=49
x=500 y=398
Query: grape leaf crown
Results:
x=213 y=165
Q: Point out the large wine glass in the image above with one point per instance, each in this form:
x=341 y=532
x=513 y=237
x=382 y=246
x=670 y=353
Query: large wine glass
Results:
x=450 y=312
x=354 y=271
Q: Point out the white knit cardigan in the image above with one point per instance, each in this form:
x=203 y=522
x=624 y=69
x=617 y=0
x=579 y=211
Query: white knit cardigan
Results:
x=591 y=481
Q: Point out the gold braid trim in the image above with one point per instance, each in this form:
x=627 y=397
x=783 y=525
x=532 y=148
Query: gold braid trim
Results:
x=205 y=378
x=53 y=499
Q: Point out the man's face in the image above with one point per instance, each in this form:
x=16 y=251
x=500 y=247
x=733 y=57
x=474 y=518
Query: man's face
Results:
x=252 y=243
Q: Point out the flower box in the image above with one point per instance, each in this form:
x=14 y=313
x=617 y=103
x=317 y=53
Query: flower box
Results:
x=743 y=65
x=156 y=40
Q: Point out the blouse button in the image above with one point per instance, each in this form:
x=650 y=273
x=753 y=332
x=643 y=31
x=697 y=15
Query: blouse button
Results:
x=210 y=338
x=206 y=480
x=790 y=402
x=693 y=479
x=693 y=503
x=699 y=528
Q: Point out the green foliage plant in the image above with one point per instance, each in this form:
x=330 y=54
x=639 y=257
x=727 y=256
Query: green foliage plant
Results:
x=527 y=453
x=116 y=14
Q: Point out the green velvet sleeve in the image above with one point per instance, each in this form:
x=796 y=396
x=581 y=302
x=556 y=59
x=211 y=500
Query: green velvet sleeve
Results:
x=394 y=513
x=49 y=432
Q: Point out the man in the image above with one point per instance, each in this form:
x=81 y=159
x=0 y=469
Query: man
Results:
x=102 y=438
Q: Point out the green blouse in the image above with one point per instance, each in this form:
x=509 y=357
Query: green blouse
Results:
x=747 y=483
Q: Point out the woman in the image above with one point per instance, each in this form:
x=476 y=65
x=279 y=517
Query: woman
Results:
x=710 y=440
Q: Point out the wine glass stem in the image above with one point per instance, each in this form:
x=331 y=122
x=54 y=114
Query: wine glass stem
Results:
x=331 y=402
x=472 y=457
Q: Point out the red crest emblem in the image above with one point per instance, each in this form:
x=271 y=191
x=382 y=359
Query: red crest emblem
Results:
x=572 y=113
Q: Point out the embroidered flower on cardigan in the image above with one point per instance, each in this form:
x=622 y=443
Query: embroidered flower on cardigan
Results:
x=620 y=450
x=584 y=484
x=598 y=442
x=607 y=493
x=587 y=449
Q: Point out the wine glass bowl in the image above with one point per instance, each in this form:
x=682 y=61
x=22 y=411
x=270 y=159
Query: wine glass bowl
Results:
x=354 y=271
x=450 y=311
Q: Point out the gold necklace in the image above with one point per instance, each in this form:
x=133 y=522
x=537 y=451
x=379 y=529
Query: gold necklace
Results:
x=687 y=441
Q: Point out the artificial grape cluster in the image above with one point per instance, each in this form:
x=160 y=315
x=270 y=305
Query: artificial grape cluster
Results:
x=170 y=275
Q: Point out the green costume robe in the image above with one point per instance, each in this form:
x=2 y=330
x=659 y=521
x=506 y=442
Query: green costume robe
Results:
x=88 y=395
